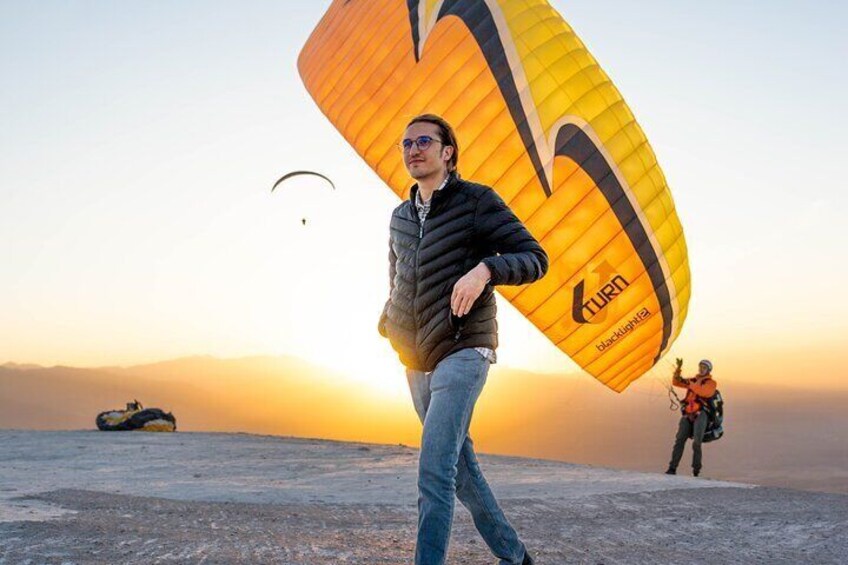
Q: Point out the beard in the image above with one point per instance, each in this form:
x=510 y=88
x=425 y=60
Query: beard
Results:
x=429 y=168
x=422 y=171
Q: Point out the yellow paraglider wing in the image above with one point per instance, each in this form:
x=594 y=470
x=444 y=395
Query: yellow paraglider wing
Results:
x=539 y=121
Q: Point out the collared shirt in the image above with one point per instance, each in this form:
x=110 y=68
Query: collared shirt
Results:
x=424 y=209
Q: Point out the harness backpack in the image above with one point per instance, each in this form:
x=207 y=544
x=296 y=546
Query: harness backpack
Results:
x=714 y=408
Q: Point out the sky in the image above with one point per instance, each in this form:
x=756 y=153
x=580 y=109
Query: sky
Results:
x=139 y=143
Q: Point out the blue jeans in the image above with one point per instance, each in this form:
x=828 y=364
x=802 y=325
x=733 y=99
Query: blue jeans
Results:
x=444 y=400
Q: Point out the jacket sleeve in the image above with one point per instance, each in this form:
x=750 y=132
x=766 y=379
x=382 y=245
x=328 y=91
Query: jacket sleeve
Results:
x=381 y=326
x=519 y=258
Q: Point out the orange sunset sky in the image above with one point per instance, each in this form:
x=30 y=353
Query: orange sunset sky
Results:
x=140 y=143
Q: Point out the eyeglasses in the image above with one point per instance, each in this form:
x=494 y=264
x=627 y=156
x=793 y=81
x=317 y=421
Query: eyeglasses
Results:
x=422 y=143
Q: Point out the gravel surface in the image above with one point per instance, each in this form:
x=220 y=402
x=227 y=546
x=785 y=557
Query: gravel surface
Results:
x=83 y=497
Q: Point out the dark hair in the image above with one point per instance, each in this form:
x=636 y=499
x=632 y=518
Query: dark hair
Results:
x=446 y=133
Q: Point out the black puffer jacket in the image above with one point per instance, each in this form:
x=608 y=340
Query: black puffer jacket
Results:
x=467 y=223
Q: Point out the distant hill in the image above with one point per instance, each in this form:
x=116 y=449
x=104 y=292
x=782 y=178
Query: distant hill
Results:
x=779 y=436
x=19 y=366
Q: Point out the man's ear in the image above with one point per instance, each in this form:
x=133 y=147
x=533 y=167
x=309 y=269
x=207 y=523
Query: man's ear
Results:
x=447 y=152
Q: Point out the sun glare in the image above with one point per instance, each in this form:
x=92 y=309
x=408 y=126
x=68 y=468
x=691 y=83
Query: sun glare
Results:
x=366 y=359
x=371 y=363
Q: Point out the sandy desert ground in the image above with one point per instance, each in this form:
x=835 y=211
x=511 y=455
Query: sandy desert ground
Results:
x=93 y=497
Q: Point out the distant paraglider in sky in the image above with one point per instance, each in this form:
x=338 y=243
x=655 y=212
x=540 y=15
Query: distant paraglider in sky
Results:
x=293 y=174
x=539 y=121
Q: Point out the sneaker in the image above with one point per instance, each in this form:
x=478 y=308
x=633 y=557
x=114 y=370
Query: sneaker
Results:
x=671 y=471
x=696 y=472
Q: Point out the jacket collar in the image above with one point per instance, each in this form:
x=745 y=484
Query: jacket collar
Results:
x=439 y=196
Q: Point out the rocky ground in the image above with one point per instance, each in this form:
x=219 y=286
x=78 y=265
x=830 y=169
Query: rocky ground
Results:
x=89 y=497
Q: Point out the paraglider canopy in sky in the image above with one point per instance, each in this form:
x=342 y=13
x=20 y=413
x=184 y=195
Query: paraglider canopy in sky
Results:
x=539 y=121
x=293 y=174
x=299 y=207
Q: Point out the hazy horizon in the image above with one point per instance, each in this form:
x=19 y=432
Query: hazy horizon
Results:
x=658 y=373
x=560 y=417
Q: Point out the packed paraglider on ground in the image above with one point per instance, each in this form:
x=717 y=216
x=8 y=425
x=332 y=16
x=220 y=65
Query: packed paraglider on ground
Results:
x=136 y=417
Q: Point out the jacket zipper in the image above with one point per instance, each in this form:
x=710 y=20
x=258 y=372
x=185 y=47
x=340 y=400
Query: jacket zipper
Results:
x=458 y=332
x=417 y=251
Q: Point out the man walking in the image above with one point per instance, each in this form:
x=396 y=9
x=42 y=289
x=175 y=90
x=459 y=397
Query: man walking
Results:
x=451 y=242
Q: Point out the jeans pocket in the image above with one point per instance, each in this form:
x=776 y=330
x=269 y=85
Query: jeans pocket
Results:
x=465 y=369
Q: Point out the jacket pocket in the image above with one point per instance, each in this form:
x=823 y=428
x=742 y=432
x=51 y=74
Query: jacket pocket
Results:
x=456 y=324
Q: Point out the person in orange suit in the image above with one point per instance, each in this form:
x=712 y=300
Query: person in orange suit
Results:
x=693 y=422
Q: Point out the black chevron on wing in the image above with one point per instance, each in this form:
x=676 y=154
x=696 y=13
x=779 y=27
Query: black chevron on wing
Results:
x=574 y=143
x=479 y=20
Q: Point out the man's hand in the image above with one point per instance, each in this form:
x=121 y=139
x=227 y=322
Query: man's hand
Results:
x=468 y=289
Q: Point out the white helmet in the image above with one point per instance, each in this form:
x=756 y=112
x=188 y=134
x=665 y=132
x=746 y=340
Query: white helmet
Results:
x=707 y=363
